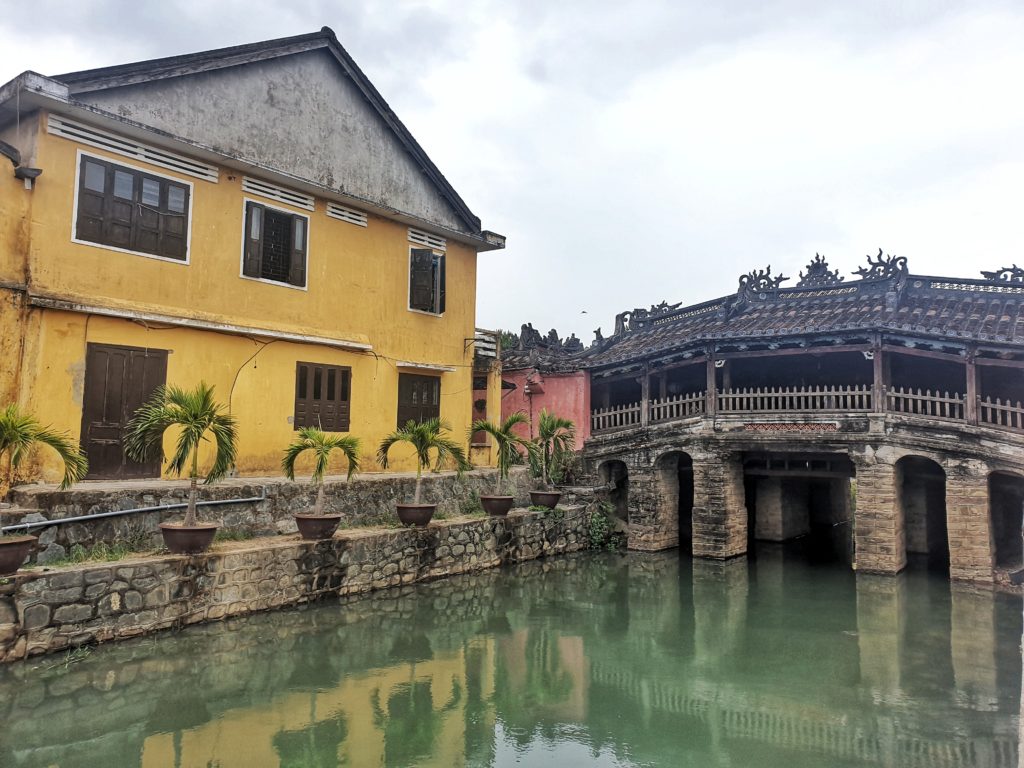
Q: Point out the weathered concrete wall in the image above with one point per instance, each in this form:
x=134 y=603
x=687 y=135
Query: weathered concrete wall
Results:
x=49 y=611
x=564 y=394
x=367 y=500
x=298 y=114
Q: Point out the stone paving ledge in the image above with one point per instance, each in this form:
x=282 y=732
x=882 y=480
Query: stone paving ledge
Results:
x=369 y=499
x=46 y=610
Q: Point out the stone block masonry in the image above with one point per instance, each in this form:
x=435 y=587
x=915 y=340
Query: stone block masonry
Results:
x=46 y=611
x=369 y=499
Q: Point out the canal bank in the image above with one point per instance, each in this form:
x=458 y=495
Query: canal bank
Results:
x=42 y=611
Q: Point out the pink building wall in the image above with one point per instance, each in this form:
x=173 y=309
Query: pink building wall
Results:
x=564 y=394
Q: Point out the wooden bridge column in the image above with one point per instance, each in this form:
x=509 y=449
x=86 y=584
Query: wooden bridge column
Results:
x=719 y=507
x=712 y=386
x=645 y=397
x=968 y=521
x=879 y=537
x=878 y=380
x=971 y=390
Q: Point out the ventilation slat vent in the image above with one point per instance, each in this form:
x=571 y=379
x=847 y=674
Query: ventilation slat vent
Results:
x=425 y=238
x=981 y=288
x=94 y=137
x=336 y=211
x=274 y=192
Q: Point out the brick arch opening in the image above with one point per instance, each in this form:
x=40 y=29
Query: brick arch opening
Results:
x=921 y=494
x=615 y=475
x=1006 y=509
x=673 y=477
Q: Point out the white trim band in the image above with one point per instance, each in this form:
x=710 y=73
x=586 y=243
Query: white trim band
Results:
x=202 y=325
x=425 y=367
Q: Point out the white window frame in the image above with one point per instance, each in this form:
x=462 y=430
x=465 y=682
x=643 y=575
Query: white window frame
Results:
x=74 y=210
x=241 y=255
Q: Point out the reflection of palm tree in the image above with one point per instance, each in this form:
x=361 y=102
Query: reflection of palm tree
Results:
x=315 y=746
x=411 y=724
x=546 y=681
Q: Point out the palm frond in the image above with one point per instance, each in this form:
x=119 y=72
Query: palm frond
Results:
x=424 y=437
x=195 y=412
x=20 y=431
x=322 y=445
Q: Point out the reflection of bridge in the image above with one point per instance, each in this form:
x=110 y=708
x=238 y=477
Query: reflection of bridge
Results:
x=874 y=741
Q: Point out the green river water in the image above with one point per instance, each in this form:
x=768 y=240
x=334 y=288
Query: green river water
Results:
x=587 y=660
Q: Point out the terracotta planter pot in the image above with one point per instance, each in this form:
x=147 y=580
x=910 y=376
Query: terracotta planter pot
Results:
x=496 y=506
x=314 y=527
x=544 y=498
x=416 y=514
x=188 y=541
x=13 y=552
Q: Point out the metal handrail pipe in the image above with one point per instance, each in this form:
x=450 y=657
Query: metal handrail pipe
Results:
x=122 y=512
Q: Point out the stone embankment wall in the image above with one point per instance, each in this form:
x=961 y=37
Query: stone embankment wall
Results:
x=366 y=500
x=44 y=611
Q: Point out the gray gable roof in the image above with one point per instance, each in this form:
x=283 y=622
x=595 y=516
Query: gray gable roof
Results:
x=95 y=86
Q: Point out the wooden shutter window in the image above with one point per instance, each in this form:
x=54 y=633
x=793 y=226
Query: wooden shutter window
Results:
x=418 y=398
x=421 y=280
x=322 y=397
x=440 y=285
x=127 y=208
x=253 y=259
x=297 y=267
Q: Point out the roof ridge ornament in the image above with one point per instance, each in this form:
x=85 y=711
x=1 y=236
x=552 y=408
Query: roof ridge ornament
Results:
x=819 y=275
x=759 y=281
x=1013 y=274
x=883 y=267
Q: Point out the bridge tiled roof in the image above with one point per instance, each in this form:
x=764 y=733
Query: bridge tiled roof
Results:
x=888 y=300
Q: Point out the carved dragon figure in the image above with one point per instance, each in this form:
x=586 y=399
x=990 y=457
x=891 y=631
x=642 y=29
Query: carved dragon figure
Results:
x=760 y=280
x=1012 y=274
x=883 y=267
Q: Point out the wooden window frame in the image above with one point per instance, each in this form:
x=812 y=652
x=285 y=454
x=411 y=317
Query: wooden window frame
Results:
x=311 y=419
x=138 y=171
x=436 y=410
x=438 y=301
x=246 y=203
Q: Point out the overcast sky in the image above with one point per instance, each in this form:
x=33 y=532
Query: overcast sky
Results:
x=654 y=149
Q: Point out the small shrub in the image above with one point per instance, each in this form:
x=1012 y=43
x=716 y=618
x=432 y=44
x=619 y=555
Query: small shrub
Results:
x=471 y=506
x=601 y=529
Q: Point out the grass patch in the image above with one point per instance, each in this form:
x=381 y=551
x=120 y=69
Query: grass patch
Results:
x=101 y=552
x=232 y=534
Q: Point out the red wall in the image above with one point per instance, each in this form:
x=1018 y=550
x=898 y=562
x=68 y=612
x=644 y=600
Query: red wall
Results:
x=564 y=394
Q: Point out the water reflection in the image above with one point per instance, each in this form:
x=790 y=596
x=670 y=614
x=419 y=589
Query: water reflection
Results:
x=590 y=660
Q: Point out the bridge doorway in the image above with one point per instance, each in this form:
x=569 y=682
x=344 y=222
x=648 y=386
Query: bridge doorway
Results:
x=674 y=484
x=615 y=475
x=921 y=487
x=1006 y=506
x=805 y=497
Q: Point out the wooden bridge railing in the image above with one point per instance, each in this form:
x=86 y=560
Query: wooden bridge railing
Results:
x=678 y=407
x=616 y=417
x=795 y=399
x=935 y=405
x=838 y=399
x=1001 y=414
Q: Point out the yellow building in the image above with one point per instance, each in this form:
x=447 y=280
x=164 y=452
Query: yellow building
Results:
x=256 y=217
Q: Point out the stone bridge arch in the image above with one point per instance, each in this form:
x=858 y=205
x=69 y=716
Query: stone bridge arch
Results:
x=674 y=493
x=1006 y=513
x=921 y=503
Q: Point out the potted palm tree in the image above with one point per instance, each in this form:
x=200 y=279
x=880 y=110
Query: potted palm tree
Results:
x=424 y=437
x=507 y=444
x=318 y=525
x=19 y=433
x=194 y=413
x=555 y=436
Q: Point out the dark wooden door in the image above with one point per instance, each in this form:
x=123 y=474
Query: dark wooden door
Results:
x=117 y=381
